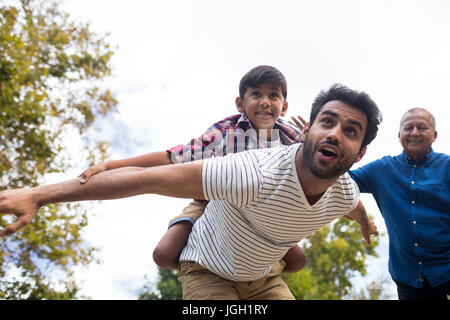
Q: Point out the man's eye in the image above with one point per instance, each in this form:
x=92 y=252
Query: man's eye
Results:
x=352 y=131
x=326 y=121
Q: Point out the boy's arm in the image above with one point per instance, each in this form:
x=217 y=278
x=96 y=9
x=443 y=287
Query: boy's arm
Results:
x=176 y=154
x=147 y=160
x=182 y=181
x=367 y=226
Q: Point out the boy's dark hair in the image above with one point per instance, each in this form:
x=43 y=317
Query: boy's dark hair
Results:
x=358 y=100
x=262 y=74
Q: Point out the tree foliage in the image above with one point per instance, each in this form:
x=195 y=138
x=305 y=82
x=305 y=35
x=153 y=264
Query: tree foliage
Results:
x=334 y=254
x=50 y=90
x=167 y=287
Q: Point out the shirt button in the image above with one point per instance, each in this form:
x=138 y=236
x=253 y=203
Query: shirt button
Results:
x=416 y=244
x=420 y=262
x=414 y=222
x=412 y=182
x=415 y=166
x=413 y=202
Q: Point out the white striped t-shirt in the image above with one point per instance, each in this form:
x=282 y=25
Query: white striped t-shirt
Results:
x=258 y=211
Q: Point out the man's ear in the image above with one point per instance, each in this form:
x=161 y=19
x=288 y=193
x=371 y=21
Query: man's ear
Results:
x=284 y=109
x=239 y=105
x=361 y=154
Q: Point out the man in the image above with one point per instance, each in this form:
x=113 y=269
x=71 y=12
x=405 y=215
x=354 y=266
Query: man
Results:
x=262 y=202
x=412 y=191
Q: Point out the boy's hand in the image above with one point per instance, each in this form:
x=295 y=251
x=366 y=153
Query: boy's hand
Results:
x=299 y=122
x=368 y=229
x=22 y=204
x=84 y=177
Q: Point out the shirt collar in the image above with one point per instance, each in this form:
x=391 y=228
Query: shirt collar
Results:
x=243 y=122
x=410 y=160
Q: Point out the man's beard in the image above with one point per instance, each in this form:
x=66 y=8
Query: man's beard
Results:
x=325 y=171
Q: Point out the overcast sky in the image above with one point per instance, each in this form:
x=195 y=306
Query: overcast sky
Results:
x=176 y=71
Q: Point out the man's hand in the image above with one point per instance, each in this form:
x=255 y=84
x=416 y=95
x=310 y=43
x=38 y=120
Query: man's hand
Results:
x=366 y=225
x=368 y=229
x=20 y=203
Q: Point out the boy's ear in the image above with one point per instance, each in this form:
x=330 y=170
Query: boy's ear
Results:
x=239 y=105
x=284 y=109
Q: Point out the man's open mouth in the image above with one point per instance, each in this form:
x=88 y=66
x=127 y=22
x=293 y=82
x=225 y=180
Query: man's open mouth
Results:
x=328 y=152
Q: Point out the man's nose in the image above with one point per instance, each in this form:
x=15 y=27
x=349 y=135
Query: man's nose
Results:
x=335 y=134
x=415 y=131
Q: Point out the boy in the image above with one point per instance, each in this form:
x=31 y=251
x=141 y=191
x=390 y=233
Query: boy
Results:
x=261 y=101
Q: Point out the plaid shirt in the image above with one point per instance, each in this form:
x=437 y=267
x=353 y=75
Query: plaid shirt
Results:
x=231 y=135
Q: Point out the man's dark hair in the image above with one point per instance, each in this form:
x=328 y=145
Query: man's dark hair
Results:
x=260 y=75
x=356 y=99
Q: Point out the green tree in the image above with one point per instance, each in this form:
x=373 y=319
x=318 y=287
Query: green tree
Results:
x=167 y=287
x=334 y=254
x=50 y=89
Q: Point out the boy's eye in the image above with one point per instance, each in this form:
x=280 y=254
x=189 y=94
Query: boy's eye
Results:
x=274 y=95
x=256 y=93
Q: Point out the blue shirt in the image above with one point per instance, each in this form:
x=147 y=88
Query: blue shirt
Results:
x=414 y=199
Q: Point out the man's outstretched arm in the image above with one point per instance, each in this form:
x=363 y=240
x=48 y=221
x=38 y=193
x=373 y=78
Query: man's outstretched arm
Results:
x=181 y=181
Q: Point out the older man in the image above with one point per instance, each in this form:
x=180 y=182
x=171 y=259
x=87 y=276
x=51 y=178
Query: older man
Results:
x=412 y=191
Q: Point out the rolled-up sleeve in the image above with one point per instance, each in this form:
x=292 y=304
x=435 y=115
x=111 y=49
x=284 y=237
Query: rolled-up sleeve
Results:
x=363 y=178
x=235 y=178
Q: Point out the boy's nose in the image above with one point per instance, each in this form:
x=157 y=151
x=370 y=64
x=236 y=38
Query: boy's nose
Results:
x=264 y=102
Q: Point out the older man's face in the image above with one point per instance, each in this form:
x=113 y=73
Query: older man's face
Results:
x=417 y=133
